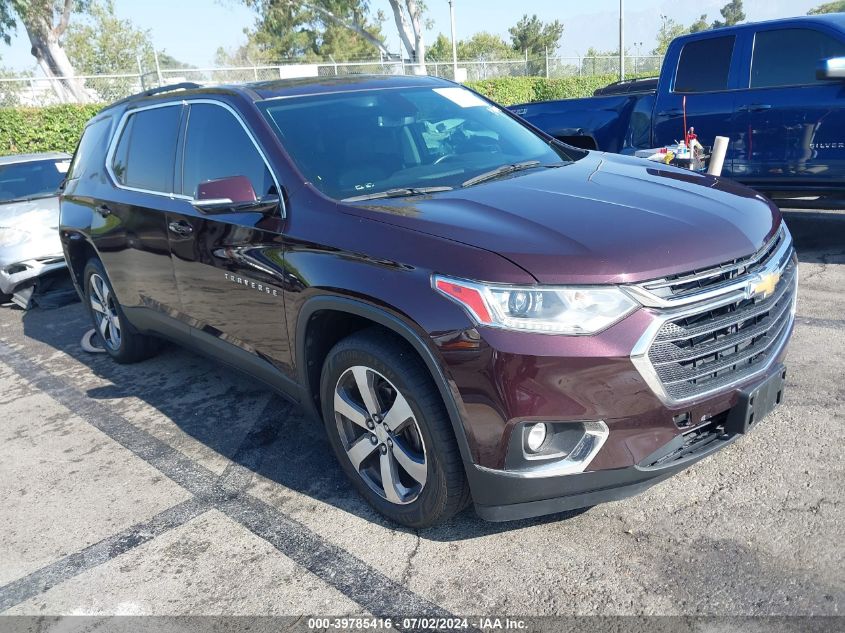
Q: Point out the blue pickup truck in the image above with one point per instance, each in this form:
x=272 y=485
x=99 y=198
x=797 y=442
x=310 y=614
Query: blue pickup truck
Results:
x=776 y=89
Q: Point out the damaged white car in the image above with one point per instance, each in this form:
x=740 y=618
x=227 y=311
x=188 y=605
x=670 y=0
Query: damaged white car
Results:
x=30 y=250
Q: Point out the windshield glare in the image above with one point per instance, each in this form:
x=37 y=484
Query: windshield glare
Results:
x=31 y=179
x=358 y=143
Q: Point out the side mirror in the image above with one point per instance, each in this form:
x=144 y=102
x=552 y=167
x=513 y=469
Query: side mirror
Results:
x=833 y=68
x=233 y=193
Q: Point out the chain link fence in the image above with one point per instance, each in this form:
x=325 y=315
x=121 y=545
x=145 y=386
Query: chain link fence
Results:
x=40 y=91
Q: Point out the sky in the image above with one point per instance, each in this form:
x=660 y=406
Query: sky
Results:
x=192 y=30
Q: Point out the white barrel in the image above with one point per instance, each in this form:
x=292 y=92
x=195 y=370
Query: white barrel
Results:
x=717 y=157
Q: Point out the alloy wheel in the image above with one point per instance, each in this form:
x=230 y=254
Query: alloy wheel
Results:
x=105 y=312
x=380 y=434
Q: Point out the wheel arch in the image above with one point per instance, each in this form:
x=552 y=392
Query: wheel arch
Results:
x=366 y=314
x=78 y=250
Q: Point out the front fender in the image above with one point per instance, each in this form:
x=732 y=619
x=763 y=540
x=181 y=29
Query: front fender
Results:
x=399 y=325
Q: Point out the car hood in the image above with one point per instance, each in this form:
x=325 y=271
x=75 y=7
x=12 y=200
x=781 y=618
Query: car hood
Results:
x=29 y=230
x=602 y=219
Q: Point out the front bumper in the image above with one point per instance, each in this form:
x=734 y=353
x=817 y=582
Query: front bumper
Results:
x=18 y=274
x=510 y=379
x=509 y=498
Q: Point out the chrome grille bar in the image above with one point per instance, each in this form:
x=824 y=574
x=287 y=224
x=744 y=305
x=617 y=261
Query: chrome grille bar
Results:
x=677 y=355
x=720 y=335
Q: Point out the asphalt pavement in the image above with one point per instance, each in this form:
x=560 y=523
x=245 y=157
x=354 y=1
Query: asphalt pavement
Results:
x=179 y=487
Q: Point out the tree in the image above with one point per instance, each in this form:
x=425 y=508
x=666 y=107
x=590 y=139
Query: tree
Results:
x=830 y=7
x=440 y=50
x=532 y=35
x=484 y=46
x=669 y=30
x=167 y=61
x=300 y=26
x=103 y=44
x=408 y=18
x=45 y=22
x=700 y=24
x=732 y=13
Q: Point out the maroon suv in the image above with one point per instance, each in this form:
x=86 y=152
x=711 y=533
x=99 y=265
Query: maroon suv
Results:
x=475 y=310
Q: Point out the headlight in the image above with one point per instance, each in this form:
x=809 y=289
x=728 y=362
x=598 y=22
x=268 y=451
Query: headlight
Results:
x=550 y=310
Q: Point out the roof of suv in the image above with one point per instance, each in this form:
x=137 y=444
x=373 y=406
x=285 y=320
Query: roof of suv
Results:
x=284 y=88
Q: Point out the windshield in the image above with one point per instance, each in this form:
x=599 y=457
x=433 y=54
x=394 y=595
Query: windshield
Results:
x=357 y=143
x=31 y=179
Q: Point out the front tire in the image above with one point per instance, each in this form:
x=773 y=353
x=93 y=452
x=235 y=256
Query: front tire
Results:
x=390 y=430
x=119 y=338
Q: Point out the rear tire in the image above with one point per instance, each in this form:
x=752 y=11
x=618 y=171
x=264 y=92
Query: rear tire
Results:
x=396 y=443
x=120 y=340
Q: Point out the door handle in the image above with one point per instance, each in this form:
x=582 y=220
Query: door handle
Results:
x=755 y=107
x=103 y=210
x=181 y=228
x=672 y=112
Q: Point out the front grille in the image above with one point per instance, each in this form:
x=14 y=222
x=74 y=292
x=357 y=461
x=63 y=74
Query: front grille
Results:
x=676 y=287
x=708 y=349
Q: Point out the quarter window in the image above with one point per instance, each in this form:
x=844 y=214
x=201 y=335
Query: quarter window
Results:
x=217 y=146
x=704 y=65
x=145 y=153
x=788 y=57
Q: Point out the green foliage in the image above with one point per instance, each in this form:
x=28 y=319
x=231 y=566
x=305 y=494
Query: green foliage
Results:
x=669 y=30
x=440 y=50
x=700 y=24
x=103 y=44
x=33 y=12
x=829 y=7
x=310 y=31
x=732 y=13
x=482 y=46
x=54 y=128
x=532 y=35
x=510 y=90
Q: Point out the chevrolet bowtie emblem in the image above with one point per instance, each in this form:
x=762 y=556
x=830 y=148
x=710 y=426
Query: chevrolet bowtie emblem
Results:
x=764 y=285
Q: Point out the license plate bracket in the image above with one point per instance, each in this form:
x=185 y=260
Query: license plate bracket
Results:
x=757 y=403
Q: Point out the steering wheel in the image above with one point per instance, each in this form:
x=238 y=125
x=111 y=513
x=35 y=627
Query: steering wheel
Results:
x=444 y=158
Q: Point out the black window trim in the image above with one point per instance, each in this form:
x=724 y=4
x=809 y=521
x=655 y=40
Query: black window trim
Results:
x=118 y=133
x=757 y=32
x=710 y=36
x=181 y=103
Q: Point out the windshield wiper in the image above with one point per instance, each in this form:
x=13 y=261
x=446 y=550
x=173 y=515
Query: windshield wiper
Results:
x=500 y=171
x=401 y=192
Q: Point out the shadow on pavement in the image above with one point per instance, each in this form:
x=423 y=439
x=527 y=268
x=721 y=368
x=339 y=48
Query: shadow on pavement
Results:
x=233 y=415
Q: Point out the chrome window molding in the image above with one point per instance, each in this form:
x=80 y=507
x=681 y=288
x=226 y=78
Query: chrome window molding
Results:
x=182 y=103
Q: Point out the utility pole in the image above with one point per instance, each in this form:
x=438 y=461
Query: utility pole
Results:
x=454 y=41
x=621 y=40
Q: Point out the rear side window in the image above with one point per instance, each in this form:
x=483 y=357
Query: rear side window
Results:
x=704 y=65
x=788 y=57
x=217 y=146
x=145 y=153
x=91 y=151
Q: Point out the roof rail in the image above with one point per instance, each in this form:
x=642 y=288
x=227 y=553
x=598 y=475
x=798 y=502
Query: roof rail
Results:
x=185 y=85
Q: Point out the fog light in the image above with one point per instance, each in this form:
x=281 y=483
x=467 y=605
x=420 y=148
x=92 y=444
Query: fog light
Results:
x=536 y=437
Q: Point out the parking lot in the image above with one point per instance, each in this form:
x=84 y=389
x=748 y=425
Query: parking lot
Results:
x=177 y=487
